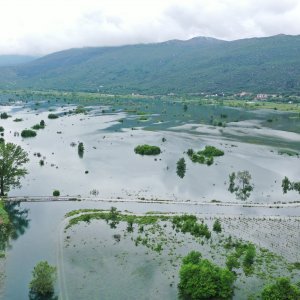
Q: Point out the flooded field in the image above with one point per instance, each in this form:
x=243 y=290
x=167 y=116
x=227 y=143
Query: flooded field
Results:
x=96 y=261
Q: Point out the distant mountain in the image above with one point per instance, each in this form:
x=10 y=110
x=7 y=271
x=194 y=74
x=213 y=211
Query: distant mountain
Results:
x=12 y=60
x=270 y=65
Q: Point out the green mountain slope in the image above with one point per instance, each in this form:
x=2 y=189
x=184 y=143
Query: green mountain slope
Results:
x=198 y=65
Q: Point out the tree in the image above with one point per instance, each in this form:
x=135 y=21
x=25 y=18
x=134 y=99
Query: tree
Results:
x=181 y=167
x=240 y=184
x=281 y=289
x=80 y=149
x=287 y=185
x=43 y=280
x=201 y=279
x=12 y=157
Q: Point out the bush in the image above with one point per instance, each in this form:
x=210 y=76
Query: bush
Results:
x=4 y=115
x=204 y=280
x=43 y=280
x=217 y=226
x=281 y=289
x=1 y=129
x=205 y=156
x=232 y=262
x=18 y=120
x=27 y=133
x=147 y=150
x=211 y=151
x=52 y=116
x=188 y=223
x=56 y=193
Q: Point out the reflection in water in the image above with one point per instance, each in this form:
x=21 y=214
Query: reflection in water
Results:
x=34 y=296
x=18 y=223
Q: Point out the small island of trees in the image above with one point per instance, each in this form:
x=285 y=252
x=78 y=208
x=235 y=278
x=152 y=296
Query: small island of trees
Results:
x=27 y=133
x=205 y=156
x=147 y=150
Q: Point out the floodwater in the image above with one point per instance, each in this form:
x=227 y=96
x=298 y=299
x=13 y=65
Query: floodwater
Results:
x=110 y=168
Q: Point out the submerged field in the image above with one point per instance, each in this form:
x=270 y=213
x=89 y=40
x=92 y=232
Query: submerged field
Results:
x=95 y=260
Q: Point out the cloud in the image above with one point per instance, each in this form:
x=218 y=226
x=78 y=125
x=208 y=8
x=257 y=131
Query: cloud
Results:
x=44 y=26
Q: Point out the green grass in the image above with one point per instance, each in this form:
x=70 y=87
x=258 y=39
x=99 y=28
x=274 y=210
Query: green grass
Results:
x=4 y=218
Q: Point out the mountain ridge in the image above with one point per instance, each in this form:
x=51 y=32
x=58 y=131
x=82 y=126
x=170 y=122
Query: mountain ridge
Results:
x=200 y=64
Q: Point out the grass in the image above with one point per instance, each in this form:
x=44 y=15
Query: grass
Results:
x=4 y=218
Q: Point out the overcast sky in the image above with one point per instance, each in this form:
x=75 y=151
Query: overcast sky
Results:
x=43 y=26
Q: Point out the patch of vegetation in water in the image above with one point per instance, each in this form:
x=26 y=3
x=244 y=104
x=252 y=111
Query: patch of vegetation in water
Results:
x=189 y=223
x=170 y=236
x=28 y=133
x=18 y=120
x=41 y=125
x=87 y=215
x=181 y=167
x=205 y=156
x=147 y=150
x=52 y=116
x=288 y=152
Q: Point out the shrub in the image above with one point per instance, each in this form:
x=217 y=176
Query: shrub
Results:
x=204 y=280
x=217 y=226
x=18 y=120
x=1 y=129
x=4 y=115
x=56 y=193
x=211 y=151
x=188 y=223
x=205 y=156
x=232 y=262
x=38 y=126
x=43 y=280
x=27 y=133
x=147 y=150
x=281 y=289
x=52 y=116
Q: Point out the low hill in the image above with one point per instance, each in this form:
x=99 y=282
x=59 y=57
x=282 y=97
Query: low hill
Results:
x=270 y=65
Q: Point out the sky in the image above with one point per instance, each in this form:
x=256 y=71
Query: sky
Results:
x=38 y=27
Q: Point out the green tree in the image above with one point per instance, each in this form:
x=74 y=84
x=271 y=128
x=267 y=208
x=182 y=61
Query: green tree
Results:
x=181 y=167
x=240 y=183
x=43 y=279
x=80 y=149
x=286 y=185
x=12 y=157
x=282 y=289
x=204 y=280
